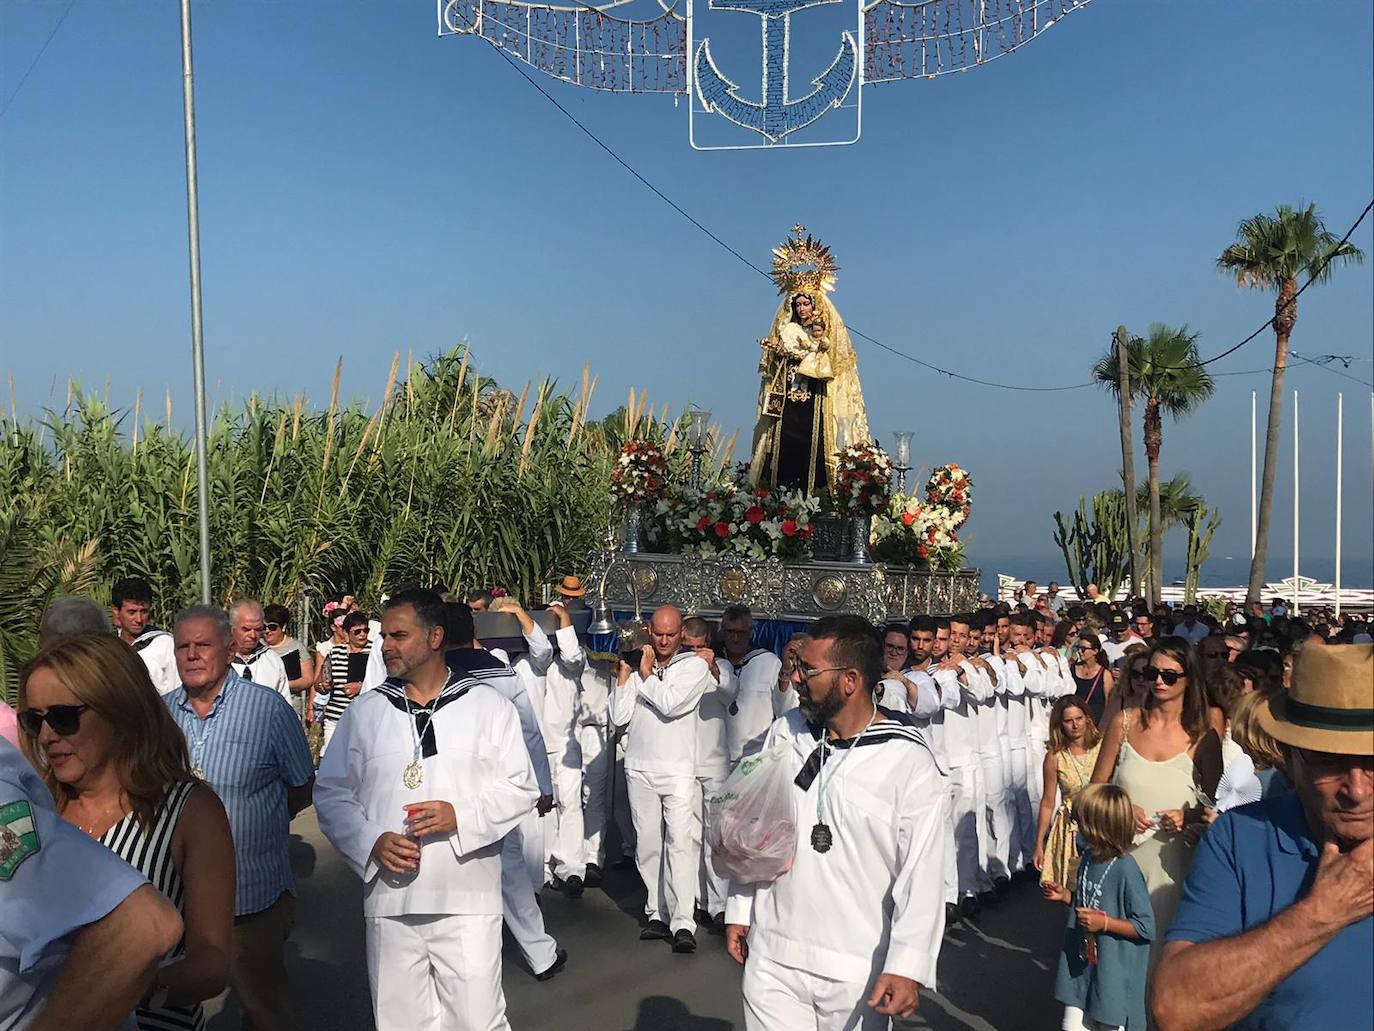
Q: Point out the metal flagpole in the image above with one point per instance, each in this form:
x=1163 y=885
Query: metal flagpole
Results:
x=1340 y=420
x=1295 y=502
x=188 y=102
x=1254 y=516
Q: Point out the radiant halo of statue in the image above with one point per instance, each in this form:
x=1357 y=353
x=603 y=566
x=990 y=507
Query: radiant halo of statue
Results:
x=641 y=46
x=808 y=375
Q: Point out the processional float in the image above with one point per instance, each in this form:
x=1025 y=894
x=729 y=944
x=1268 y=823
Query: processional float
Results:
x=602 y=47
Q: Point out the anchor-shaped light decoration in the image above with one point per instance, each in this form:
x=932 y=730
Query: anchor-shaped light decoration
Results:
x=776 y=116
x=651 y=46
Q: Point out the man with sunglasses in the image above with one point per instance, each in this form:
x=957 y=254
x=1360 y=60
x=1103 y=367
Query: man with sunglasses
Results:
x=252 y=659
x=131 y=612
x=1276 y=924
x=847 y=935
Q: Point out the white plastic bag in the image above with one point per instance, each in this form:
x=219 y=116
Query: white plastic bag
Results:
x=751 y=828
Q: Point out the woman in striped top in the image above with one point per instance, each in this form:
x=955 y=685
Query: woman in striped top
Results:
x=342 y=688
x=117 y=766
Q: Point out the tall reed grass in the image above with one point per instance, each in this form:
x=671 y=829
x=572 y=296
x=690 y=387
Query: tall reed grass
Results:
x=449 y=480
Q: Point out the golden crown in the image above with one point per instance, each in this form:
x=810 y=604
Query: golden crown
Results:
x=803 y=263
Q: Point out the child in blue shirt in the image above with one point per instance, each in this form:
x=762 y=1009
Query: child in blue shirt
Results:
x=1106 y=957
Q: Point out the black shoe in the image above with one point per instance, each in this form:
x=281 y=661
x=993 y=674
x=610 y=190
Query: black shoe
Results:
x=718 y=924
x=593 y=878
x=655 y=931
x=624 y=863
x=990 y=899
x=701 y=916
x=1001 y=885
x=560 y=961
x=969 y=907
x=574 y=887
x=684 y=941
x=952 y=915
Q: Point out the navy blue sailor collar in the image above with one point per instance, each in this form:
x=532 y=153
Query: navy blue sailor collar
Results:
x=394 y=691
x=894 y=726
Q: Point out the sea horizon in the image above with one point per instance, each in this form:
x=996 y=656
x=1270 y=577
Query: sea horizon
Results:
x=1357 y=572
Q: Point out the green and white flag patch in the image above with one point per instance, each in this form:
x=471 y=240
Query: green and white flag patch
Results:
x=18 y=837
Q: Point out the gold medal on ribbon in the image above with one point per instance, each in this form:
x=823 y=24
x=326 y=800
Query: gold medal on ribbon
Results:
x=413 y=775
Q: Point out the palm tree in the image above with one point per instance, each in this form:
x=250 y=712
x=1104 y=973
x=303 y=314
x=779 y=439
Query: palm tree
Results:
x=1270 y=253
x=1165 y=373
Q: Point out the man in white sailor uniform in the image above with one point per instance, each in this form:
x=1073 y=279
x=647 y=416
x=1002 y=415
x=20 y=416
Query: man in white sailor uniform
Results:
x=593 y=733
x=959 y=733
x=530 y=667
x=426 y=775
x=658 y=700
x=846 y=936
x=563 y=833
x=523 y=916
x=758 y=702
x=713 y=762
x=131 y=612
x=995 y=818
x=1025 y=678
x=1058 y=682
x=252 y=659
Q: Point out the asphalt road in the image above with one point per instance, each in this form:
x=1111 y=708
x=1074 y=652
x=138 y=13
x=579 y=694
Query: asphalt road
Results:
x=996 y=974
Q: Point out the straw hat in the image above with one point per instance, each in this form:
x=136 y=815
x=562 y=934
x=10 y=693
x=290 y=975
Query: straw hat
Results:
x=570 y=587
x=1330 y=707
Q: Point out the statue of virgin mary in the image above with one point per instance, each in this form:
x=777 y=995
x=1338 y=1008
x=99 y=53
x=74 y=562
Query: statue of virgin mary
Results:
x=809 y=375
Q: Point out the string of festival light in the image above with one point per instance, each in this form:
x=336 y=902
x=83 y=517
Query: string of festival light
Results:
x=854 y=331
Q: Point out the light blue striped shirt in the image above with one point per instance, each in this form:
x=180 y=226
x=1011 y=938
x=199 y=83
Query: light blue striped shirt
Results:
x=250 y=749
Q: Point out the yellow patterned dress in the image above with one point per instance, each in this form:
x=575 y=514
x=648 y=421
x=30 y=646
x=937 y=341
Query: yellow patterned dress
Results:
x=1061 y=844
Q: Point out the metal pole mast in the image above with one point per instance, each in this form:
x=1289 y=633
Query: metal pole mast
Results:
x=188 y=102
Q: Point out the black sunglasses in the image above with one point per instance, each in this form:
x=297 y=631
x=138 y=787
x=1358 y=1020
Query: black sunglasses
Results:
x=271 y=626
x=65 y=720
x=1169 y=676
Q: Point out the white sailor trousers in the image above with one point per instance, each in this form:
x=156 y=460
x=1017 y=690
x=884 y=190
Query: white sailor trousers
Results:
x=522 y=912
x=711 y=890
x=591 y=741
x=996 y=831
x=1023 y=834
x=780 y=998
x=564 y=840
x=967 y=803
x=436 y=973
x=667 y=851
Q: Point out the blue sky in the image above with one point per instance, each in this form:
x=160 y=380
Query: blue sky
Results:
x=368 y=187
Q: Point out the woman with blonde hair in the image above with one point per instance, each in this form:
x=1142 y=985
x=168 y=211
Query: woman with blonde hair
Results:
x=106 y=746
x=1072 y=755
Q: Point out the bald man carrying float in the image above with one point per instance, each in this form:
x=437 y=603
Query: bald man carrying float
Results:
x=658 y=699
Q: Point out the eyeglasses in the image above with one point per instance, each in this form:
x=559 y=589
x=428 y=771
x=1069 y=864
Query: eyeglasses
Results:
x=1169 y=676
x=1086 y=648
x=272 y=626
x=358 y=630
x=65 y=720
x=807 y=674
